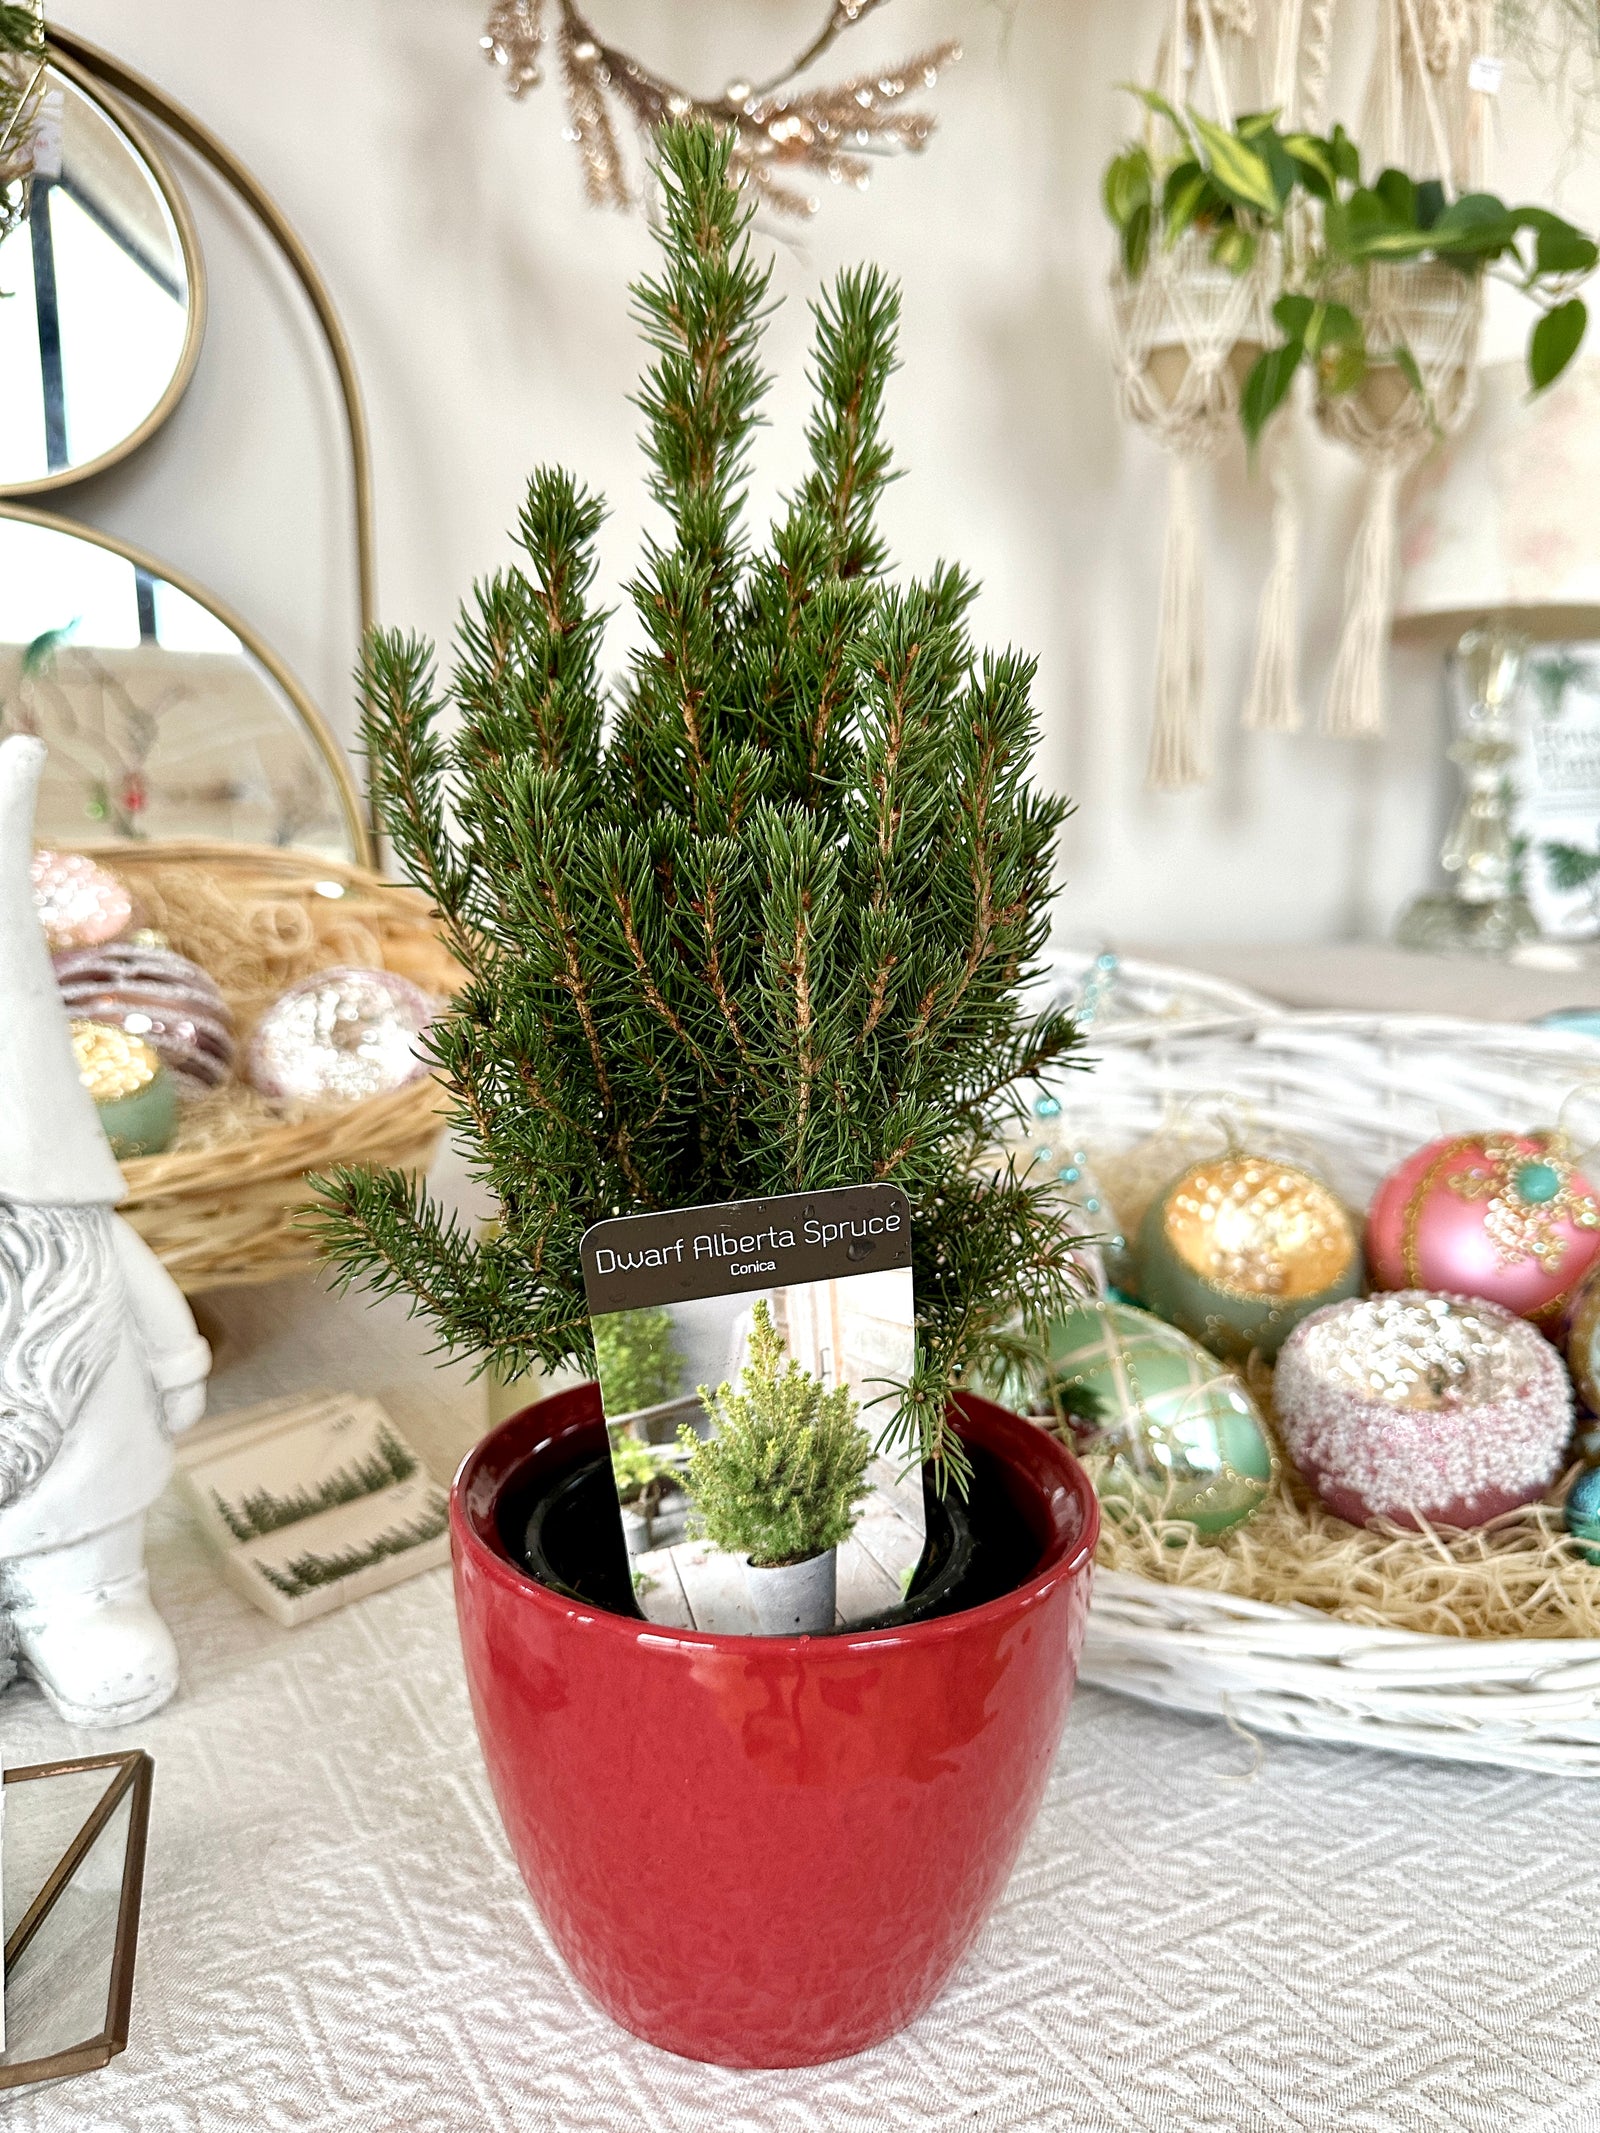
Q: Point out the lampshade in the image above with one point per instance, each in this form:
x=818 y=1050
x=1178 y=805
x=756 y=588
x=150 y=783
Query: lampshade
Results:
x=1503 y=521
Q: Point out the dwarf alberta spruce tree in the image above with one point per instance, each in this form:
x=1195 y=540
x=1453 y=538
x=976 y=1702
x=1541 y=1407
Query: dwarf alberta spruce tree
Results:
x=780 y=1478
x=760 y=924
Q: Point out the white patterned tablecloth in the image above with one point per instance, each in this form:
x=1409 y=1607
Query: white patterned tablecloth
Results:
x=335 y=1939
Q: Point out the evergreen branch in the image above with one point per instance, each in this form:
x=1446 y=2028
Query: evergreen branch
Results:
x=406 y=764
x=854 y=358
x=763 y=928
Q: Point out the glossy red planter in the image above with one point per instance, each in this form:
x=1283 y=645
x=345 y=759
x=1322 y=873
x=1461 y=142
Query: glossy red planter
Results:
x=766 y=1851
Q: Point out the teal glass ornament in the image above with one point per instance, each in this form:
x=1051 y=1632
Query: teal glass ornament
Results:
x=1583 y=1513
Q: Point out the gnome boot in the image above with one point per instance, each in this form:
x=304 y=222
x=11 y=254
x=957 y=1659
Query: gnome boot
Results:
x=86 y=1628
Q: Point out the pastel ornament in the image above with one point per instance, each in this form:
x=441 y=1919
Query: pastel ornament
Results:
x=1420 y=1408
x=153 y=993
x=132 y=1091
x=1237 y=1250
x=79 y=903
x=1583 y=1513
x=1181 y=1437
x=99 y=1358
x=1504 y=1216
x=341 y=1035
x=1583 y=1340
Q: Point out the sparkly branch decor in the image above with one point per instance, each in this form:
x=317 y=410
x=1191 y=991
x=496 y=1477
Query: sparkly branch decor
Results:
x=780 y=131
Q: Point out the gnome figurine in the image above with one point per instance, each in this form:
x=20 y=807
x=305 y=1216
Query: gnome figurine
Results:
x=99 y=1357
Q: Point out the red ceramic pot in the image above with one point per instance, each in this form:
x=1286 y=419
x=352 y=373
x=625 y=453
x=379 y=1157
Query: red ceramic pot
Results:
x=766 y=1851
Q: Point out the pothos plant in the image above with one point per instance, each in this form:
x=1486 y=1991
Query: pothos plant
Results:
x=1239 y=184
x=760 y=919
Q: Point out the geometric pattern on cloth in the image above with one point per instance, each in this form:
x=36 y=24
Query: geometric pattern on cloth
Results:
x=335 y=1940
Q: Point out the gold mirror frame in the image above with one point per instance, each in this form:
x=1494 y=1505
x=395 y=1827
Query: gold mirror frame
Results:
x=144 y=145
x=318 y=731
x=125 y=86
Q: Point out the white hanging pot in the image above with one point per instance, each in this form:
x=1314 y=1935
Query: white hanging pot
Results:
x=1433 y=312
x=794 y=1599
x=1430 y=309
x=1190 y=332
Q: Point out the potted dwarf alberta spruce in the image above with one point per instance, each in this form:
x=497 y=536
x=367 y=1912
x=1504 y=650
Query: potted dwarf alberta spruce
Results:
x=779 y=1481
x=757 y=921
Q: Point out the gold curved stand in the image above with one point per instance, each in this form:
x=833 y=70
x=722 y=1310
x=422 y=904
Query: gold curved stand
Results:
x=124 y=81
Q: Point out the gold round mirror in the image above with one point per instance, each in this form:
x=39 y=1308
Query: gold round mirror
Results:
x=164 y=716
x=104 y=299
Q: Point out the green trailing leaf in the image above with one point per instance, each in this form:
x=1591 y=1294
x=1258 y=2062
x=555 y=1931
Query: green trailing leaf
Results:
x=1154 y=102
x=1555 y=341
x=1342 y=368
x=1136 y=242
x=1267 y=386
x=1188 y=189
x=1242 y=171
x=1559 y=248
x=1406 y=363
x=1319 y=171
x=1234 y=249
x=1127 y=185
x=1398 y=196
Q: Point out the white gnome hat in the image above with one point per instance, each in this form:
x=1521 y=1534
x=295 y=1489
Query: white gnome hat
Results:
x=53 y=1151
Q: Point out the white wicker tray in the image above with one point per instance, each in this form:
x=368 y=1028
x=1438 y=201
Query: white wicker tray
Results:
x=1367 y=1089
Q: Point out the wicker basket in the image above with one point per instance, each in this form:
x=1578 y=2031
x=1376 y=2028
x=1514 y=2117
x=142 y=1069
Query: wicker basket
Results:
x=220 y=1207
x=1365 y=1090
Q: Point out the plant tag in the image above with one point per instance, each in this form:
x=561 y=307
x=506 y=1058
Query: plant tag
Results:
x=1485 y=73
x=751 y=1357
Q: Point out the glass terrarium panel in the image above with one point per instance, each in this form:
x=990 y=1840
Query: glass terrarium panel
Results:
x=58 y=1990
x=96 y=317
x=160 y=720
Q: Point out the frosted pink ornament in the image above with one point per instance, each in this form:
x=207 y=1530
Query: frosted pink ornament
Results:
x=339 y=1036
x=1499 y=1215
x=79 y=904
x=154 y=993
x=1411 y=1406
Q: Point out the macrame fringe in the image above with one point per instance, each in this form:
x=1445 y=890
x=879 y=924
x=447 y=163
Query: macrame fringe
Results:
x=1354 y=706
x=1273 y=703
x=1178 y=740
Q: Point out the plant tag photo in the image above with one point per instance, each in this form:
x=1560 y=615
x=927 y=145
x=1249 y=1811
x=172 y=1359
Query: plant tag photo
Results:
x=751 y=1358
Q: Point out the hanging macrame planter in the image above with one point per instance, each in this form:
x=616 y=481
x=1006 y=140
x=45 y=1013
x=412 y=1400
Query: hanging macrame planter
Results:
x=1420 y=318
x=1186 y=333
x=1433 y=312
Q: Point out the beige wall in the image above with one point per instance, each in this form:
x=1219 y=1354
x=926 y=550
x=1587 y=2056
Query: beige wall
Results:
x=487 y=305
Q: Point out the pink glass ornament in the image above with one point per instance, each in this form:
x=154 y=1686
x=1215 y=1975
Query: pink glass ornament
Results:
x=154 y=993
x=1410 y=1406
x=1498 y=1215
x=79 y=904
